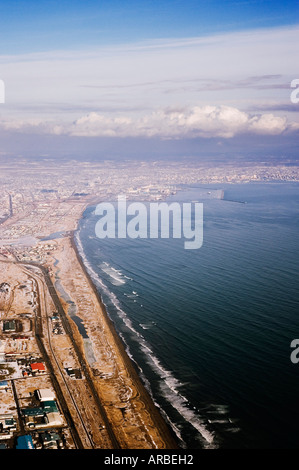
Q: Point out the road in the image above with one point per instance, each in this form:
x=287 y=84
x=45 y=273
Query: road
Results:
x=39 y=334
x=42 y=280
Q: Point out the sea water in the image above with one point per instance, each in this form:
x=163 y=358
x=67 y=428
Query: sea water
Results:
x=209 y=330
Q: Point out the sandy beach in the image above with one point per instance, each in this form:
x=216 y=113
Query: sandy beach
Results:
x=135 y=420
x=108 y=406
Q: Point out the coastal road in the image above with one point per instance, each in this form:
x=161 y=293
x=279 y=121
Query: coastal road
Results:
x=81 y=358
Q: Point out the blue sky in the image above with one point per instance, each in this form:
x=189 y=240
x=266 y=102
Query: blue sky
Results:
x=148 y=69
x=28 y=26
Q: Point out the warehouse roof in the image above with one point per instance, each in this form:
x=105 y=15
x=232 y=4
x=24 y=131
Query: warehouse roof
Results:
x=25 y=442
x=37 y=366
x=49 y=405
x=45 y=394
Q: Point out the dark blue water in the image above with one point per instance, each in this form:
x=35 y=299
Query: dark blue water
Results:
x=210 y=329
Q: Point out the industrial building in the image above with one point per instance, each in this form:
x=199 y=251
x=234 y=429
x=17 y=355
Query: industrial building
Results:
x=45 y=394
x=24 y=442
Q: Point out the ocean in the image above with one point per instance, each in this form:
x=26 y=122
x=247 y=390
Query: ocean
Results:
x=209 y=330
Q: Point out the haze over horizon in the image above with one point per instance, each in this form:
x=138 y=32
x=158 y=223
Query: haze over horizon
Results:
x=160 y=80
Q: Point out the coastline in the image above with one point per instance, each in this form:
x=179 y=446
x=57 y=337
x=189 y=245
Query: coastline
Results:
x=118 y=411
x=226 y=409
x=136 y=420
x=197 y=423
x=164 y=429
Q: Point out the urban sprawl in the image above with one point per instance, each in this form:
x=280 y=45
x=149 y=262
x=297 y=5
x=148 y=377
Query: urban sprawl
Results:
x=58 y=387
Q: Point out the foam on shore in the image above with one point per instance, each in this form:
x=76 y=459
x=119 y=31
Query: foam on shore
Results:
x=169 y=385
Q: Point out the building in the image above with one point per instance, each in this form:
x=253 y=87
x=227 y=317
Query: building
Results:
x=51 y=440
x=49 y=406
x=7 y=423
x=74 y=373
x=37 y=368
x=10 y=423
x=37 y=411
x=54 y=419
x=25 y=442
x=9 y=326
x=33 y=417
x=3 y=384
x=45 y=394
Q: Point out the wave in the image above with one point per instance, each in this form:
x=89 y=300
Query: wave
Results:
x=169 y=385
x=147 y=326
x=115 y=275
x=170 y=390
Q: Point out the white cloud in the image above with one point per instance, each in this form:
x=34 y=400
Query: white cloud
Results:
x=236 y=69
x=197 y=121
x=268 y=124
x=171 y=89
x=31 y=125
x=206 y=121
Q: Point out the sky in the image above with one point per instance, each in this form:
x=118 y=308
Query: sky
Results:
x=192 y=75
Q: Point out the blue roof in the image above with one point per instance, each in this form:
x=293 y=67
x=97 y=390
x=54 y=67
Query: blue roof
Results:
x=25 y=442
x=50 y=405
x=3 y=383
x=32 y=411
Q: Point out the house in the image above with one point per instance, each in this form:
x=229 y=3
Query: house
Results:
x=37 y=368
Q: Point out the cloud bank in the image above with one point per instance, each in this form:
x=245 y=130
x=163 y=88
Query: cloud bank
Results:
x=205 y=121
x=239 y=69
x=220 y=86
x=169 y=123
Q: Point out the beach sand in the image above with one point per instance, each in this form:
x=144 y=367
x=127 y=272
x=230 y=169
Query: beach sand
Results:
x=135 y=420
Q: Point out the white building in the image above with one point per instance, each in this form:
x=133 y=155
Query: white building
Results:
x=54 y=419
x=45 y=394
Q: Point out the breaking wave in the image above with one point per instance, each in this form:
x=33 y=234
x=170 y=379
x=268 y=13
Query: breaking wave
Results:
x=169 y=385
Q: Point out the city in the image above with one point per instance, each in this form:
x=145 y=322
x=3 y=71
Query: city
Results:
x=63 y=383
